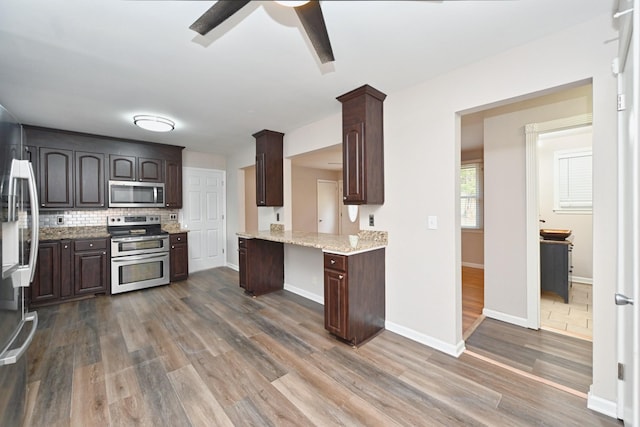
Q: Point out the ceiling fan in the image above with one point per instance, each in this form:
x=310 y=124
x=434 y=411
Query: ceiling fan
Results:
x=308 y=12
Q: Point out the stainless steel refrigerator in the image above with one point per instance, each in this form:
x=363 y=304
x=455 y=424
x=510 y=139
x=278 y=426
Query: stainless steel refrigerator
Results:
x=19 y=243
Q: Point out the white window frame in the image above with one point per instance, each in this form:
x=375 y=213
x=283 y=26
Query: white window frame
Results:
x=571 y=205
x=478 y=197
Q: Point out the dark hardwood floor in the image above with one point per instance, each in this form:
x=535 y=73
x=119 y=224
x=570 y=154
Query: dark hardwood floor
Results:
x=202 y=353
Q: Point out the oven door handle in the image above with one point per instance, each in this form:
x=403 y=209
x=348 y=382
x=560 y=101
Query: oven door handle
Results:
x=129 y=258
x=138 y=238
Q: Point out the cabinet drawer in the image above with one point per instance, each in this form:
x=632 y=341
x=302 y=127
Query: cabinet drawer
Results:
x=178 y=238
x=242 y=242
x=335 y=262
x=89 y=244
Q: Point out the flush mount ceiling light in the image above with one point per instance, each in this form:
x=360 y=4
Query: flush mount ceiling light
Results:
x=292 y=3
x=154 y=123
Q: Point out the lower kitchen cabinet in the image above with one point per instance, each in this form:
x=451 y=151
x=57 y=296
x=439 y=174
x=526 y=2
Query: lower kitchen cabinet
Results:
x=68 y=269
x=179 y=254
x=90 y=266
x=354 y=295
x=261 y=265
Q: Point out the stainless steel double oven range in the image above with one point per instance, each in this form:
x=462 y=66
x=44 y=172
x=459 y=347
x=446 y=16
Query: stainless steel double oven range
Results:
x=139 y=253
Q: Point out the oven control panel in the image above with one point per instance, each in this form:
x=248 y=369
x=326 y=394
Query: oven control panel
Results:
x=133 y=220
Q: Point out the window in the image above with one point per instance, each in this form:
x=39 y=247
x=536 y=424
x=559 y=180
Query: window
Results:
x=572 y=176
x=471 y=195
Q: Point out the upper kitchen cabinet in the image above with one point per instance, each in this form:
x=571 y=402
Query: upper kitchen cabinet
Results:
x=55 y=173
x=173 y=183
x=132 y=168
x=89 y=180
x=362 y=146
x=269 y=185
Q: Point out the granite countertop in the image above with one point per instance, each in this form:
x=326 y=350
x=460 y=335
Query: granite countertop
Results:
x=59 y=233
x=92 y=232
x=341 y=244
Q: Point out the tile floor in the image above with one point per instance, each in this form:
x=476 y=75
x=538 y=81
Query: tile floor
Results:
x=574 y=318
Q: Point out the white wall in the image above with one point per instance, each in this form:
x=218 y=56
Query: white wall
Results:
x=505 y=207
x=580 y=223
x=422 y=158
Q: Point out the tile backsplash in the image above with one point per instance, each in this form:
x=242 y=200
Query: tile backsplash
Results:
x=90 y=218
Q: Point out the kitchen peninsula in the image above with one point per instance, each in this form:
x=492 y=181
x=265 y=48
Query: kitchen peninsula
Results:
x=353 y=269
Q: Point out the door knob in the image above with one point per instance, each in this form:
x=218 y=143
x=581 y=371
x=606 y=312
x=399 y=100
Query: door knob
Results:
x=623 y=300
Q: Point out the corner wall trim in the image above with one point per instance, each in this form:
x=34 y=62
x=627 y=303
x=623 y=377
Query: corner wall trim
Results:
x=604 y=406
x=514 y=320
x=473 y=265
x=451 y=350
x=233 y=266
x=305 y=294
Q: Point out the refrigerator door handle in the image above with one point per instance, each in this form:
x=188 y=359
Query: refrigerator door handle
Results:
x=23 y=169
x=35 y=220
x=12 y=356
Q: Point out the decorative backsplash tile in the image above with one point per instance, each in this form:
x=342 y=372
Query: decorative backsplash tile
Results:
x=276 y=227
x=92 y=218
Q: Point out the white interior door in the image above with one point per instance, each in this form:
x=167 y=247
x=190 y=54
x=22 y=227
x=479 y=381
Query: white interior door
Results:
x=327 y=207
x=629 y=218
x=203 y=214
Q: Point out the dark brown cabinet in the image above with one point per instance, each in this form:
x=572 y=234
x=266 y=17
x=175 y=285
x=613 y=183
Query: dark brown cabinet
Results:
x=179 y=254
x=55 y=174
x=67 y=269
x=354 y=295
x=46 y=283
x=362 y=146
x=173 y=183
x=261 y=266
x=131 y=168
x=555 y=267
x=269 y=167
x=90 y=266
x=89 y=180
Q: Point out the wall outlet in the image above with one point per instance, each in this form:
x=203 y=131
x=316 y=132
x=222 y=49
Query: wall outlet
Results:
x=371 y=222
x=278 y=217
x=60 y=219
x=432 y=222
x=173 y=216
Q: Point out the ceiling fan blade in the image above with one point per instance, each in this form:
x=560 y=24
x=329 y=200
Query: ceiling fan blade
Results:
x=216 y=15
x=312 y=20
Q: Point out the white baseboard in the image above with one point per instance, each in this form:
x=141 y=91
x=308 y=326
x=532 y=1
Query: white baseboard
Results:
x=514 y=320
x=233 y=266
x=585 y=280
x=604 y=406
x=473 y=265
x=452 y=350
x=306 y=294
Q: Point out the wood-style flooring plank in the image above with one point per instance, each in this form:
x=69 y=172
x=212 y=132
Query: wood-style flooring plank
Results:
x=207 y=354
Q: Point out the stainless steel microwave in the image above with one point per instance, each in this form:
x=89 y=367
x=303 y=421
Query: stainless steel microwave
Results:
x=132 y=194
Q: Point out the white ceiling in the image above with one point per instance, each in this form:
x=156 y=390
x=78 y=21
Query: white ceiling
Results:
x=90 y=65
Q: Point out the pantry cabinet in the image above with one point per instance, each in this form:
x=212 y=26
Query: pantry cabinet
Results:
x=261 y=266
x=354 y=295
x=362 y=146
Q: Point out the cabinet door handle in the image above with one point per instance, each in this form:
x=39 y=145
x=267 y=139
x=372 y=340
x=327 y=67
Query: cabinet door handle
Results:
x=104 y=253
x=333 y=261
x=173 y=247
x=90 y=245
x=340 y=276
x=179 y=239
x=66 y=246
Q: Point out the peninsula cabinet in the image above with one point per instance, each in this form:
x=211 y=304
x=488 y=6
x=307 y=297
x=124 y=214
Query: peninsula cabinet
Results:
x=179 y=257
x=261 y=266
x=362 y=146
x=354 y=295
x=269 y=168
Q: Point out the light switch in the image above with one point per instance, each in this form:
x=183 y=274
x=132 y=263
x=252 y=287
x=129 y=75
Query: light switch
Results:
x=433 y=222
